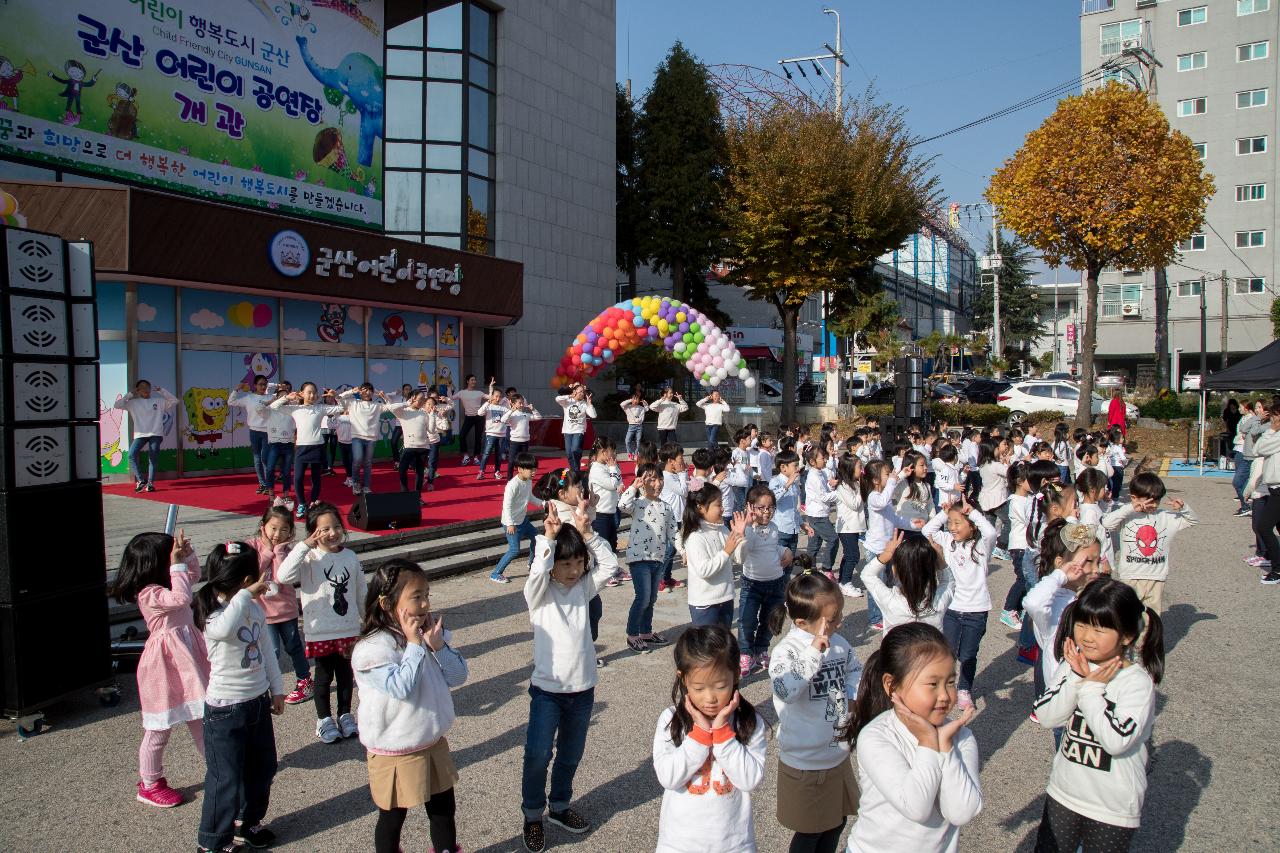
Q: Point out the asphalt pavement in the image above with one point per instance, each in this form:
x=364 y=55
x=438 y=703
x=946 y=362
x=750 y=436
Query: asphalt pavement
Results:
x=72 y=787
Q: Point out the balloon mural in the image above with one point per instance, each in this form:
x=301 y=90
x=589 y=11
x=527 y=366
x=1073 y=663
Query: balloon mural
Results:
x=681 y=329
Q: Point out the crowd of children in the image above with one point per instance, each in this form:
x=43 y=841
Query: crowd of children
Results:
x=913 y=527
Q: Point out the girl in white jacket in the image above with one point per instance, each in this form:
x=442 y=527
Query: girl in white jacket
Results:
x=1069 y=560
x=851 y=522
x=917 y=771
x=922 y=587
x=405 y=668
x=708 y=750
x=815 y=676
x=819 y=500
x=710 y=552
x=1104 y=692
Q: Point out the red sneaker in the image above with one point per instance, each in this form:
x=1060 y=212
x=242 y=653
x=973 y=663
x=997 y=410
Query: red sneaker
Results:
x=676 y=584
x=662 y=586
x=302 y=692
x=159 y=795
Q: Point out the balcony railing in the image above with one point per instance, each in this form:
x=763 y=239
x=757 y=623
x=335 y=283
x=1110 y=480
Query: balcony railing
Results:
x=1089 y=7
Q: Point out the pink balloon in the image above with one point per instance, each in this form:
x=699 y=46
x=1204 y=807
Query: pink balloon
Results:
x=718 y=361
x=261 y=315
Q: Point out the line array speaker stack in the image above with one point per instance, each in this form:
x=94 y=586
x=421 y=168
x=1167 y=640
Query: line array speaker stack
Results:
x=53 y=606
x=908 y=399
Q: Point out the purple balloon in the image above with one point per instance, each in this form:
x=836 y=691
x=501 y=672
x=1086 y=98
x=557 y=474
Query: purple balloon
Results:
x=684 y=327
x=652 y=331
x=591 y=334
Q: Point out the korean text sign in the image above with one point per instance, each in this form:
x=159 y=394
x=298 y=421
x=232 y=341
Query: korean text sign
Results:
x=270 y=103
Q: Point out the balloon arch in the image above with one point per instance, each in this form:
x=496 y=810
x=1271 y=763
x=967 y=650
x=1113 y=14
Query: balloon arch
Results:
x=684 y=331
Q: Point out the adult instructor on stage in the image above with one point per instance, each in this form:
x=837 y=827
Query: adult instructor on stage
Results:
x=471 y=399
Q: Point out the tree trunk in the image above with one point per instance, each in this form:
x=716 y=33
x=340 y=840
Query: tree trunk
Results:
x=1084 y=408
x=677 y=280
x=790 y=314
x=1162 y=328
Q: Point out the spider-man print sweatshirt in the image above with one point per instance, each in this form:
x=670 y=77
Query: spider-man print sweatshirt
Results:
x=706 y=781
x=242 y=657
x=1100 y=770
x=1141 y=540
x=333 y=588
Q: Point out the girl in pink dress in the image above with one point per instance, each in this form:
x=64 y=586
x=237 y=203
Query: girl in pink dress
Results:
x=157 y=571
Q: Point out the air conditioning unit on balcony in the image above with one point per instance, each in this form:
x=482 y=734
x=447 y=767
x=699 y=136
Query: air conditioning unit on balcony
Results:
x=1130 y=44
x=1130 y=309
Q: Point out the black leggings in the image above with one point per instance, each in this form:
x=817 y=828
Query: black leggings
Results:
x=327 y=668
x=311 y=455
x=817 y=842
x=1264 y=524
x=1064 y=831
x=440 y=811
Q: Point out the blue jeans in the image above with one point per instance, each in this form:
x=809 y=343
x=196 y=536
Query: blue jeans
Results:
x=240 y=763
x=666 y=436
x=279 y=454
x=415 y=458
x=1117 y=480
x=668 y=561
x=1064 y=474
x=1027 y=636
x=849 y=559
x=304 y=457
x=823 y=542
x=606 y=525
x=558 y=719
x=362 y=459
x=492 y=448
x=789 y=541
x=713 y=435
x=1241 y=477
x=874 y=616
x=286 y=636
x=524 y=530
x=258 y=447
x=759 y=598
x=645 y=575
x=1013 y=601
x=348 y=456
x=712 y=614
x=151 y=446
x=964 y=633
x=632 y=441
x=514 y=448
x=573 y=449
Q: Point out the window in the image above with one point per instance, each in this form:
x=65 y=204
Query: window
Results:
x=1066 y=392
x=1195 y=244
x=1253 y=50
x=1251 y=239
x=1114 y=296
x=1202 y=150
x=1192 y=107
x=1192 y=61
x=1189 y=288
x=1192 y=16
x=1040 y=390
x=1251 y=98
x=1126 y=74
x=1246 y=286
x=1115 y=36
x=1251 y=192
x=1088 y=7
x=1251 y=145
x=1248 y=7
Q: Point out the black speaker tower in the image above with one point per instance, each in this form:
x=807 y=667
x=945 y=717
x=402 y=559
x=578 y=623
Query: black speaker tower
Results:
x=386 y=511
x=908 y=401
x=53 y=607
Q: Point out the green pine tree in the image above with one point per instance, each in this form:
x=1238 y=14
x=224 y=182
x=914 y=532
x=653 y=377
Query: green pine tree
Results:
x=630 y=252
x=1019 y=298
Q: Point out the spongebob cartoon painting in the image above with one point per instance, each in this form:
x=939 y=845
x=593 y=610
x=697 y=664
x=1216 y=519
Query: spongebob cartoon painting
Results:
x=206 y=417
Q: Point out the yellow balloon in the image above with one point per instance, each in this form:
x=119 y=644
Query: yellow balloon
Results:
x=8 y=204
x=680 y=317
x=241 y=314
x=663 y=327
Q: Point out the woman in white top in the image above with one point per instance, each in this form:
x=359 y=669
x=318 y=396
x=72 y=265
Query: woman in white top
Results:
x=308 y=413
x=146 y=416
x=668 y=406
x=577 y=411
x=715 y=410
x=422 y=423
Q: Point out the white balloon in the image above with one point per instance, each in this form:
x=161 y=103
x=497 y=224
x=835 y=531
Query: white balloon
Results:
x=743 y=373
x=750 y=382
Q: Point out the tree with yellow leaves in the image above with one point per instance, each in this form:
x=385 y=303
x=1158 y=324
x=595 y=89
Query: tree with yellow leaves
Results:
x=814 y=197
x=1104 y=182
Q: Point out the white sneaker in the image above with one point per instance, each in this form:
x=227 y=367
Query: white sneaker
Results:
x=327 y=730
x=497 y=476
x=850 y=591
x=347 y=725
x=466 y=460
x=348 y=483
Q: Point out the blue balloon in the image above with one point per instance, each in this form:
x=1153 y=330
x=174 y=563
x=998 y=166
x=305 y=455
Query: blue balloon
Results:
x=608 y=354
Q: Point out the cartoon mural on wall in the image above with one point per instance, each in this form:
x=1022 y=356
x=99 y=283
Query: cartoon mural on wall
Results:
x=332 y=323
x=206 y=417
x=447 y=337
x=258 y=364
x=393 y=330
x=110 y=421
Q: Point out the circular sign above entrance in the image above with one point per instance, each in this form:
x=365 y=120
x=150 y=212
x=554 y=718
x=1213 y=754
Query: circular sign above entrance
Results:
x=290 y=253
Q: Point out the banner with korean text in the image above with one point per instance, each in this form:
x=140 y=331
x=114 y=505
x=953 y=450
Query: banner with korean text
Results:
x=261 y=102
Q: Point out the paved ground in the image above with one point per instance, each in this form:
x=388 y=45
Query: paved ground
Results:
x=71 y=788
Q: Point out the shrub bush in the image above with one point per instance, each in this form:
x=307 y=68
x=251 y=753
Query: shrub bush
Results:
x=977 y=414
x=880 y=411
x=1168 y=407
x=1046 y=416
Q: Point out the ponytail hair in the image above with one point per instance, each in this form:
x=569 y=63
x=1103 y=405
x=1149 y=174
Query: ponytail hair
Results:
x=708 y=645
x=145 y=561
x=870 y=473
x=229 y=565
x=695 y=506
x=903 y=652
x=1055 y=545
x=602 y=442
x=1090 y=480
x=845 y=471
x=384 y=592
x=807 y=594
x=1110 y=603
x=552 y=483
x=1041 y=477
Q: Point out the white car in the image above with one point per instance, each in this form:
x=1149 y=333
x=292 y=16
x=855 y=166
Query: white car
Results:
x=1038 y=395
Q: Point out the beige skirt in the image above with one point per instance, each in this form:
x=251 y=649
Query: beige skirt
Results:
x=406 y=781
x=816 y=800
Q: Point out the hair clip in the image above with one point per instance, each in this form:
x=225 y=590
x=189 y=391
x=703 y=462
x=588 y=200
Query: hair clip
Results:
x=1076 y=536
x=232 y=547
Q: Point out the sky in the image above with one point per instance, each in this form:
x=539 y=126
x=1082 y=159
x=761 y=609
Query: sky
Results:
x=946 y=63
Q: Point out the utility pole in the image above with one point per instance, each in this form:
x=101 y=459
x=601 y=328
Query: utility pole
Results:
x=995 y=286
x=1204 y=358
x=1055 y=319
x=1224 y=320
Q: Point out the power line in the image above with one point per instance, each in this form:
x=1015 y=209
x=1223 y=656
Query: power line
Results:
x=1231 y=249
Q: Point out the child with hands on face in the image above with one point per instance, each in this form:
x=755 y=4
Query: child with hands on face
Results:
x=708 y=750
x=245 y=691
x=1103 y=692
x=280 y=602
x=814 y=675
x=405 y=668
x=917 y=770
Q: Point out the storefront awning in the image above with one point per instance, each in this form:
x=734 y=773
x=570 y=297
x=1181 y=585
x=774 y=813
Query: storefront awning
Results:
x=759 y=352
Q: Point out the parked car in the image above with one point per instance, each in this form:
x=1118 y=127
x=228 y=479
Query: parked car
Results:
x=1191 y=381
x=985 y=391
x=1038 y=395
x=1063 y=375
x=1111 y=381
x=884 y=396
x=860 y=385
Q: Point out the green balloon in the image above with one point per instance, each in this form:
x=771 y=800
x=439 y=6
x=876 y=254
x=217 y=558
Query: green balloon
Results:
x=742 y=362
x=697 y=337
x=693 y=327
x=688 y=338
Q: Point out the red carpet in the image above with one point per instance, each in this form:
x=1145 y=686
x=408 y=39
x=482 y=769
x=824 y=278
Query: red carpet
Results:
x=458 y=496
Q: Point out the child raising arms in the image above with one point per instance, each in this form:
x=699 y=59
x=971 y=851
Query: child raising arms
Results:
x=1104 y=692
x=405 y=667
x=917 y=771
x=922 y=588
x=814 y=674
x=708 y=750
x=156 y=571
x=333 y=590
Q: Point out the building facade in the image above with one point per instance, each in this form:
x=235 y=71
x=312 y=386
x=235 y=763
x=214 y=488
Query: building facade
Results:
x=1217 y=83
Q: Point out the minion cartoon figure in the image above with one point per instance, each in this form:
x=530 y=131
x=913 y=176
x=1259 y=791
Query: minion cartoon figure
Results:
x=206 y=417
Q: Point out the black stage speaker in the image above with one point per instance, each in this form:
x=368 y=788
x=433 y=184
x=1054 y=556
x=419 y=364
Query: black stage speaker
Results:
x=26 y=569
x=52 y=646
x=908 y=399
x=386 y=511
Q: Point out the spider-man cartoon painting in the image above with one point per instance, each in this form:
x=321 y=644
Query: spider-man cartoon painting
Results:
x=393 y=330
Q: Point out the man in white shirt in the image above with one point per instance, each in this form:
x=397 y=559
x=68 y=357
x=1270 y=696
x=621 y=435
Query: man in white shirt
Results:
x=471 y=399
x=668 y=406
x=146 y=417
x=715 y=410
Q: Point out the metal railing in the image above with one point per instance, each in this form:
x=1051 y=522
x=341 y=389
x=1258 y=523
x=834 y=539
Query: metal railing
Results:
x=1089 y=7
